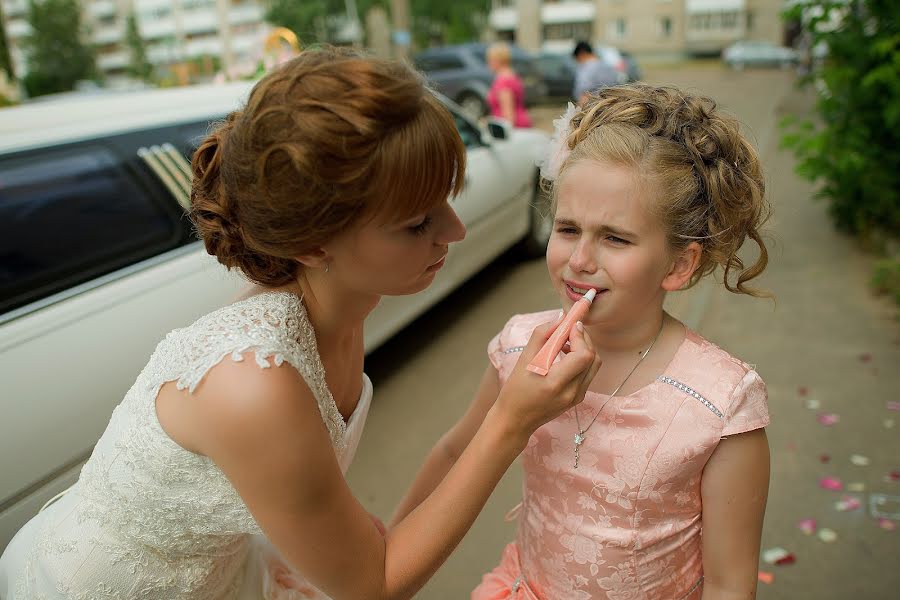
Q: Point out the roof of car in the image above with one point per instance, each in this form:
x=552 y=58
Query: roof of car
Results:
x=73 y=118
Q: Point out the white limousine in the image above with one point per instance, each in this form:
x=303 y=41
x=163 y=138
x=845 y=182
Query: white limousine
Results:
x=98 y=261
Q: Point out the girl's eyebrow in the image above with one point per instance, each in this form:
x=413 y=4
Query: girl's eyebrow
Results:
x=564 y=222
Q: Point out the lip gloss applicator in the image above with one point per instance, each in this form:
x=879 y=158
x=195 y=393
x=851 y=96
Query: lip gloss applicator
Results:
x=541 y=362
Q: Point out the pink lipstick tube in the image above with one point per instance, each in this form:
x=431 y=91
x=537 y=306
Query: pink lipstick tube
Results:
x=541 y=362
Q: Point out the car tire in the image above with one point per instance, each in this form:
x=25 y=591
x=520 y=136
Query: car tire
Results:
x=472 y=105
x=540 y=219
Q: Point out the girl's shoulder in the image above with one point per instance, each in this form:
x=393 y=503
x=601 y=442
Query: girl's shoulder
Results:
x=505 y=347
x=729 y=387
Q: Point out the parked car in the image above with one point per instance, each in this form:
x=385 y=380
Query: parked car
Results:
x=460 y=72
x=558 y=67
x=759 y=53
x=558 y=72
x=98 y=262
x=632 y=69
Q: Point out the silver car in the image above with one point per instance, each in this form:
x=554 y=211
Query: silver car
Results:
x=759 y=53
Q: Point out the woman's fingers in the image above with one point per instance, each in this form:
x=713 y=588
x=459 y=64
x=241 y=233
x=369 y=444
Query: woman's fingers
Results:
x=538 y=338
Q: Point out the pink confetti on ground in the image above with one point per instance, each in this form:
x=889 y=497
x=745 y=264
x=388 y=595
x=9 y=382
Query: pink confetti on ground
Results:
x=893 y=405
x=894 y=475
x=802 y=390
x=828 y=419
x=827 y=535
x=865 y=357
x=786 y=560
x=773 y=555
x=831 y=483
x=765 y=577
x=887 y=524
x=807 y=526
x=824 y=459
x=792 y=447
x=847 y=503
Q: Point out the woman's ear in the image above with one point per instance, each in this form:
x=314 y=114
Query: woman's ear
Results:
x=315 y=259
x=683 y=267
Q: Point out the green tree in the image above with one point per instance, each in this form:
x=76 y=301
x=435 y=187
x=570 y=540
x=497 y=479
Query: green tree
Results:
x=312 y=20
x=138 y=65
x=447 y=22
x=56 y=56
x=852 y=148
x=5 y=59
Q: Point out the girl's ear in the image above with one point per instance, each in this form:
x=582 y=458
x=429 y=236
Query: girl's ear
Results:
x=315 y=259
x=683 y=267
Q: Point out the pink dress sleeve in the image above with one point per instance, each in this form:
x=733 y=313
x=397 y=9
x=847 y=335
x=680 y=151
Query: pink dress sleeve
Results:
x=506 y=347
x=749 y=408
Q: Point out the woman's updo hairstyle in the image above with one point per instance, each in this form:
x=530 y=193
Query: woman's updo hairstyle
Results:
x=325 y=140
x=705 y=176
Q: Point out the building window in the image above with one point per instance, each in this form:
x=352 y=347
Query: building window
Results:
x=567 y=31
x=750 y=20
x=664 y=27
x=617 y=29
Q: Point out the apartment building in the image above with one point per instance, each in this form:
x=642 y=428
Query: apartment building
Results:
x=645 y=27
x=174 y=31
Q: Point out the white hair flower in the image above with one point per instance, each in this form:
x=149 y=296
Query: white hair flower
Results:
x=558 y=149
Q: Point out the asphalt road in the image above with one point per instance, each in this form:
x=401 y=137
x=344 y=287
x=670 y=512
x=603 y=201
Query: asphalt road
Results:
x=823 y=321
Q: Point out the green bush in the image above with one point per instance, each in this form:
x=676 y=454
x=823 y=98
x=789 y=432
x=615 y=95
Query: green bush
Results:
x=852 y=148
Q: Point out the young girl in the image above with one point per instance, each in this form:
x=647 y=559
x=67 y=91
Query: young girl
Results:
x=220 y=475
x=655 y=486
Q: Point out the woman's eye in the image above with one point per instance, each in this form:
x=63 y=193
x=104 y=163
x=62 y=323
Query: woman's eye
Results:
x=421 y=228
x=617 y=240
x=567 y=230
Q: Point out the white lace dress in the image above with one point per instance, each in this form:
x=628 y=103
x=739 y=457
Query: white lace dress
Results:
x=150 y=520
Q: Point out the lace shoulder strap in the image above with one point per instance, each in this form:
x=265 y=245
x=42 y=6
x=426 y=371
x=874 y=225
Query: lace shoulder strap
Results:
x=272 y=325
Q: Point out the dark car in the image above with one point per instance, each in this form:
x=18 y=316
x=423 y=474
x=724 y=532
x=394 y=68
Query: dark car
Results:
x=558 y=71
x=558 y=68
x=460 y=72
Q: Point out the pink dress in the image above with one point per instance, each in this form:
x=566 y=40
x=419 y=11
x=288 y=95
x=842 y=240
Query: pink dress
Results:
x=626 y=524
x=513 y=84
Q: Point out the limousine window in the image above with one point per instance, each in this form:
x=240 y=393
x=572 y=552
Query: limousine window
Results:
x=70 y=215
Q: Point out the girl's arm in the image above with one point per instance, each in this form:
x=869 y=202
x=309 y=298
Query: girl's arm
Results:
x=450 y=447
x=263 y=428
x=734 y=489
x=507 y=101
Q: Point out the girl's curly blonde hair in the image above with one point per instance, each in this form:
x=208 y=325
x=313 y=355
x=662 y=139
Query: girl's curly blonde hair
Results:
x=705 y=175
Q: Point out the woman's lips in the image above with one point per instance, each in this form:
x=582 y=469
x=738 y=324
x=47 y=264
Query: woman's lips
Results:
x=436 y=266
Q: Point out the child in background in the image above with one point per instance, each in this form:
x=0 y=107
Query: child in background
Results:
x=655 y=486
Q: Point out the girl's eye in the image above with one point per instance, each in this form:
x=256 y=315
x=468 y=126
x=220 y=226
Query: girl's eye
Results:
x=421 y=228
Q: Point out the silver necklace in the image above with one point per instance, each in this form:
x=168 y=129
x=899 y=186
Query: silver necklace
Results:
x=579 y=437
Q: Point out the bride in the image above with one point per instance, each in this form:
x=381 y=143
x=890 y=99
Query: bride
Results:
x=220 y=474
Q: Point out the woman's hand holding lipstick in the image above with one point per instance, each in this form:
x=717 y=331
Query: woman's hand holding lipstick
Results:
x=529 y=400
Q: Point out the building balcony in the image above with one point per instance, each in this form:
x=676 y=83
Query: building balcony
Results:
x=506 y=18
x=200 y=21
x=101 y=8
x=112 y=60
x=15 y=8
x=17 y=29
x=212 y=45
x=159 y=28
x=245 y=13
x=248 y=44
x=107 y=35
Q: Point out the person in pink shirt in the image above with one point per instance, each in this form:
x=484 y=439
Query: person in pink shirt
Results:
x=655 y=486
x=506 y=97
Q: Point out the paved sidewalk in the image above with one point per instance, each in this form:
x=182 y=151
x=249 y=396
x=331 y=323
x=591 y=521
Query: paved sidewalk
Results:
x=826 y=341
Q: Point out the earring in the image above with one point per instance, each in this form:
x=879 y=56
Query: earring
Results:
x=327 y=265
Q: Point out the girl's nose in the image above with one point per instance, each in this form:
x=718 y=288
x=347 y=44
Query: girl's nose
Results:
x=582 y=259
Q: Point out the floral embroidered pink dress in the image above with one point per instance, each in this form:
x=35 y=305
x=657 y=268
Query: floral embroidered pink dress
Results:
x=626 y=523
